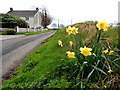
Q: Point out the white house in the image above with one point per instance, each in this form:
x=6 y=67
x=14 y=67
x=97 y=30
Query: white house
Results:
x=33 y=17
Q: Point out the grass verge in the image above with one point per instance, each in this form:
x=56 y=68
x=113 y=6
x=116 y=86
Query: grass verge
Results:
x=26 y=33
x=32 y=33
x=38 y=65
x=3 y=33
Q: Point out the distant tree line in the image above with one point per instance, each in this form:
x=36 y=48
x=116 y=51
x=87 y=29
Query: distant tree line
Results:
x=8 y=21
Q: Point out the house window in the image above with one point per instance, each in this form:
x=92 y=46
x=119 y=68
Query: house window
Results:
x=26 y=18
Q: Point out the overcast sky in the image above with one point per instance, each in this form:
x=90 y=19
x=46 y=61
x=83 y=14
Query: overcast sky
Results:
x=67 y=10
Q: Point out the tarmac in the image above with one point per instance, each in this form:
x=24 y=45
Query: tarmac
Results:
x=4 y=37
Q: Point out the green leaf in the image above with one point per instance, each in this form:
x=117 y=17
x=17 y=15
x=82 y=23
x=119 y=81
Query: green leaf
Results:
x=81 y=85
x=93 y=70
x=116 y=64
x=116 y=59
x=104 y=56
x=77 y=84
x=99 y=69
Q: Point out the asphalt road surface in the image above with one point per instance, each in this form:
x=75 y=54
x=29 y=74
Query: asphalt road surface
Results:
x=15 y=49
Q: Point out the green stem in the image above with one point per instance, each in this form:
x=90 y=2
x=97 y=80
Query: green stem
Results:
x=82 y=79
x=77 y=43
x=78 y=61
x=99 y=33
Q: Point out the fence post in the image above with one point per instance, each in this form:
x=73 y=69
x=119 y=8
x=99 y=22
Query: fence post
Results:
x=17 y=30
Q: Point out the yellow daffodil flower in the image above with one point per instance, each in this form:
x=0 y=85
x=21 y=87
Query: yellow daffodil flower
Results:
x=110 y=71
x=103 y=25
x=60 y=43
x=105 y=86
x=71 y=30
x=74 y=30
x=106 y=51
x=70 y=54
x=111 y=52
x=106 y=27
x=71 y=43
x=86 y=51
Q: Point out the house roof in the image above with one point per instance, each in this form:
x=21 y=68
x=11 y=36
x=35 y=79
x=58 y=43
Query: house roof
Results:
x=23 y=13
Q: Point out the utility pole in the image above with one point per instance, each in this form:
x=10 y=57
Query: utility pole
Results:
x=58 y=23
x=71 y=21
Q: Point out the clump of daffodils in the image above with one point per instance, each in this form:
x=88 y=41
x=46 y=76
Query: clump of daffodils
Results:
x=60 y=43
x=81 y=55
x=86 y=51
x=103 y=25
x=70 y=54
x=71 y=30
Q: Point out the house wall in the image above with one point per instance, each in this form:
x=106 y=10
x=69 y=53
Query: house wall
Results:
x=34 y=22
x=37 y=20
x=30 y=21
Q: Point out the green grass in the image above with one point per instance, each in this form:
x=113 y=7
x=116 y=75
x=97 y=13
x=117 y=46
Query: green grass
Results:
x=32 y=33
x=38 y=64
x=48 y=65
x=112 y=36
x=3 y=33
x=26 y=33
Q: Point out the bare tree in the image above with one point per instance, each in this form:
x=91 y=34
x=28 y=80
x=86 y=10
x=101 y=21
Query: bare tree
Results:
x=46 y=18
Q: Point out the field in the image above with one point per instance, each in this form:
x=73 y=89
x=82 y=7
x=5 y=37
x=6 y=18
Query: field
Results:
x=49 y=66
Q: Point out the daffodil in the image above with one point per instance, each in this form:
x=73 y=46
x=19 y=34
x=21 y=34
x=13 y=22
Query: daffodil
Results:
x=74 y=30
x=106 y=27
x=105 y=86
x=69 y=30
x=106 y=51
x=103 y=25
x=111 y=52
x=110 y=71
x=71 y=43
x=86 y=51
x=60 y=43
x=70 y=54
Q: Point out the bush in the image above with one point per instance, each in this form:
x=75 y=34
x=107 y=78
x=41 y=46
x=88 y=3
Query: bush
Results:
x=11 y=32
x=8 y=21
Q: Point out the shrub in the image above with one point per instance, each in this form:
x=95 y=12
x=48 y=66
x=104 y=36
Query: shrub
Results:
x=8 y=21
x=11 y=32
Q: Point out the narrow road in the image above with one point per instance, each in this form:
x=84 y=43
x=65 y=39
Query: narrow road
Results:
x=15 y=49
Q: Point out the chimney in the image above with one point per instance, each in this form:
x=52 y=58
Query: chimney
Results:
x=11 y=9
x=37 y=9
